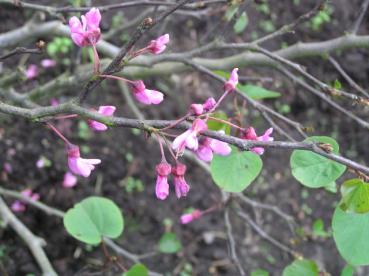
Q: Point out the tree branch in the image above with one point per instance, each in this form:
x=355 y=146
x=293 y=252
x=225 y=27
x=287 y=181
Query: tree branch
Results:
x=33 y=242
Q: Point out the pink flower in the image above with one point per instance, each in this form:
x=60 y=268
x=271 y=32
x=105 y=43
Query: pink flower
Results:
x=198 y=109
x=40 y=163
x=70 y=180
x=250 y=134
x=106 y=110
x=78 y=165
x=54 y=102
x=189 y=137
x=209 y=104
x=209 y=145
x=144 y=95
x=7 y=167
x=187 y=218
x=158 y=46
x=231 y=84
x=180 y=184
x=19 y=205
x=32 y=72
x=162 y=186
x=48 y=63
x=88 y=32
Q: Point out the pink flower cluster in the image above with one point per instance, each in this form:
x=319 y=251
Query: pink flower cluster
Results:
x=198 y=109
x=87 y=31
x=106 y=110
x=163 y=171
x=78 y=165
x=20 y=205
x=209 y=146
x=187 y=218
x=250 y=134
x=33 y=71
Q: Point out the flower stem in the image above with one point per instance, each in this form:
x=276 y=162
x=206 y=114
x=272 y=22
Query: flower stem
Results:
x=58 y=133
x=96 y=60
x=116 y=78
x=224 y=122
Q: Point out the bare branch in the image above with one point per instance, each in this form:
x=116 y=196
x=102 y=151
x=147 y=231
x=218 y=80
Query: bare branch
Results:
x=20 y=50
x=363 y=9
x=33 y=242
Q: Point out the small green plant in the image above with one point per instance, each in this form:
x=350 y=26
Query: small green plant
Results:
x=321 y=18
x=133 y=185
x=59 y=46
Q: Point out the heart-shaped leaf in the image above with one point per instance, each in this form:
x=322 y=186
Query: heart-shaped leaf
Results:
x=169 y=243
x=313 y=170
x=94 y=218
x=137 y=270
x=355 y=196
x=301 y=267
x=350 y=232
x=236 y=171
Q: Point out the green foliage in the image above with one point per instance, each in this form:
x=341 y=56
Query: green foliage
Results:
x=318 y=229
x=301 y=267
x=350 y=232
x=241 y=23
x=137 y=270
x=58 y=46
x=131 y=185
x=321 y=18
x=348 y=270
x=215 y=125
x=84 y=131
x=313 y=170
x=267 y=26
x=258 y=92
x=355 y=196
x=169 y=243
x=259 y=272
x=94 y=218
x=231 y=12
x=236 y=171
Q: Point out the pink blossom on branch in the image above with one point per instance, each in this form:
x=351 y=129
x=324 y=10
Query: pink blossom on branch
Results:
x=70 y=180
x=158 y=45
x=250 y=134
x=78 y=165
x=162 y=186
x=180 y=185
x=231 y=84
x=187 y=218
x=32 y=72
x=189 y=137
x=87 y=32
x=106 y=110
x=48 y=63
x=198 y=109
x=19 y=205
x=144 y=95
x=208 y=146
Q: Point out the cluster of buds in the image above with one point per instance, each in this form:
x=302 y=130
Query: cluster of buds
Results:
x=20 y=205
x=33 y=70
x=163 y=170
x=250 y=134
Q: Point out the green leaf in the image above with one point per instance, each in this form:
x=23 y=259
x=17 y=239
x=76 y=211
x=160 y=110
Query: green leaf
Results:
x=214 y=125
x=355 y=196
x=84 y=131
x=257 y=92
x=313 y=170
x=301 y=267
x=259 y=272
x=169 y=243
x=318 y=229
x=350 y=232
x=231 y=11
x=241 y=23
x=94 y=218
x=137 y=270
x=236 y=171
x=348 y=270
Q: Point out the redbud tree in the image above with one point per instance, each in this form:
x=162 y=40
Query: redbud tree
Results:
x=58 y=65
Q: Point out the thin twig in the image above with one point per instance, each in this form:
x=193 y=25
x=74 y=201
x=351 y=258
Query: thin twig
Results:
x=19 y=51
x=359 y=20
x=264 y=234
x=347 y=77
